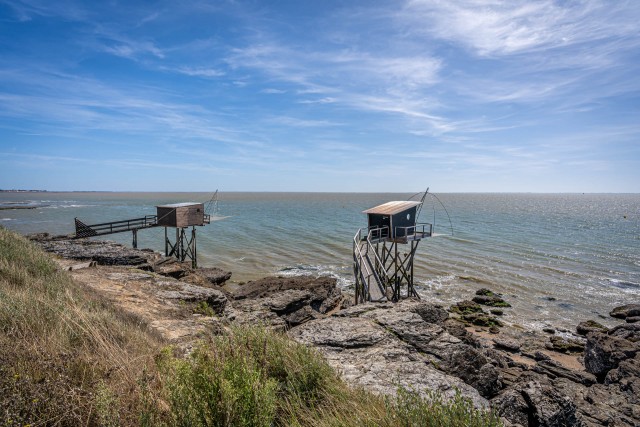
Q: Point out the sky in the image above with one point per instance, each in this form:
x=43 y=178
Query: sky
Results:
x=348 y=96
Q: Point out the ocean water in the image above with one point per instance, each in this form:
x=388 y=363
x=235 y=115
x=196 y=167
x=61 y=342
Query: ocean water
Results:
x=557 y=258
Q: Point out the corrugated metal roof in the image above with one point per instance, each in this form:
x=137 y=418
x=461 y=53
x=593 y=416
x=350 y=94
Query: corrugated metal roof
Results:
x=391 y=208
x=179 y=205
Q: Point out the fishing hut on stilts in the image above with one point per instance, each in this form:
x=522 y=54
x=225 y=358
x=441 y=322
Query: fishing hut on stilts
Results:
x=383 y=253
x=179 y=216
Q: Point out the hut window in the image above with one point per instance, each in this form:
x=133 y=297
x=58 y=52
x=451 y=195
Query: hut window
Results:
x=408 y=216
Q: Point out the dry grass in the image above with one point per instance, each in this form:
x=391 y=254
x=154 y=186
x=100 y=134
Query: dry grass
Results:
x=68 y=358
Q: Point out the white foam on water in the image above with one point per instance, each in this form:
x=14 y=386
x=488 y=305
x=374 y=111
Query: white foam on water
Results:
x=318 y=270
x=7 y=219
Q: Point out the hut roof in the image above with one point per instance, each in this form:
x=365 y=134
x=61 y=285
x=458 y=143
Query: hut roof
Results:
x=392 y=208
x=179 y=205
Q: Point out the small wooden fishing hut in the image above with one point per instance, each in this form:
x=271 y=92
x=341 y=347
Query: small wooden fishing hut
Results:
x=383 y=253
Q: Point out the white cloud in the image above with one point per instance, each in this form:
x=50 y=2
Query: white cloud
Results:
x=273 y=91
x=497 y=27
x=200 y=71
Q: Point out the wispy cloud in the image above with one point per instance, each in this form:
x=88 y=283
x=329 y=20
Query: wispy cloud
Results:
x=495 y=27
x=199 y=71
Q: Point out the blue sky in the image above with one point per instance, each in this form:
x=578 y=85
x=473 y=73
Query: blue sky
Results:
x=457 y=95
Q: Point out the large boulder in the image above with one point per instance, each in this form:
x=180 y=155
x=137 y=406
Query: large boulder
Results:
x=535 y=401
x=285 y=302
x=604 y=352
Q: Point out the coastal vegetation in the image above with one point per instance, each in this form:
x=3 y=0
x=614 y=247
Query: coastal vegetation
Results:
x=67 y=357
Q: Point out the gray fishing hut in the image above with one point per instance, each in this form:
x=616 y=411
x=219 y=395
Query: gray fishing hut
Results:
x=383 y=253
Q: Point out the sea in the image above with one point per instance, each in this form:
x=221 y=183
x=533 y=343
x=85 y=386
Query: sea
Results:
x=557 y=258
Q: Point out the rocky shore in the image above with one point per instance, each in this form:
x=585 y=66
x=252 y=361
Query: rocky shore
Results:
x=586 y=377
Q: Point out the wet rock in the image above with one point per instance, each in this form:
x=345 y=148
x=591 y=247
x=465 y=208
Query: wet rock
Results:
x=622 y=312
x=584 y=328
x=496 y=311
x=634 y=319
x=487 y=297
x=492 y=301
x=481 y=319
x=457 y=329
x=466 y=307
x=564 y=345
x=549 y=330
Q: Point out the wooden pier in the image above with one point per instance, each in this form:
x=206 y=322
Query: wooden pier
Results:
x=179 y=216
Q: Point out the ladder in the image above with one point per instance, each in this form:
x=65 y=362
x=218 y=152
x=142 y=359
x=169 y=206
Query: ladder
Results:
x=372 y=281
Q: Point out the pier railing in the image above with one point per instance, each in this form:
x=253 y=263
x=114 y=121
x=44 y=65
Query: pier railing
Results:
x=84 y=230
x=414 y=232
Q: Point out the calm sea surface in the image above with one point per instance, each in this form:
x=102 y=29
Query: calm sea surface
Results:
x=558 y=258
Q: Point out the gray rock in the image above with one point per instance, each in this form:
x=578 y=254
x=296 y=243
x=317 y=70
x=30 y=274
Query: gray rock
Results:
x=481 y=319
x=171 y=267
x=465 y=307
x=214 y=275
x=604 y=352
x=565 y=345
x=634 y=319
x=584 y=328
x=630 y=332
x=190 y=293
x=406 y=325
x=430 y=313
x=103 y=252
x=547 y=407
x=554 y=369
x=368 y=355
x=320 y=287
x=622 y=312
x=512 y=406
x=507 y=344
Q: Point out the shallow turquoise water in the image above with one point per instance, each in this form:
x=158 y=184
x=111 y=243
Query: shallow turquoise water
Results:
x=581 y=249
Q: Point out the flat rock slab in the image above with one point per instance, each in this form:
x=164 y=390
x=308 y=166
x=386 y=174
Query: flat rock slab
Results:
x=368 y=355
